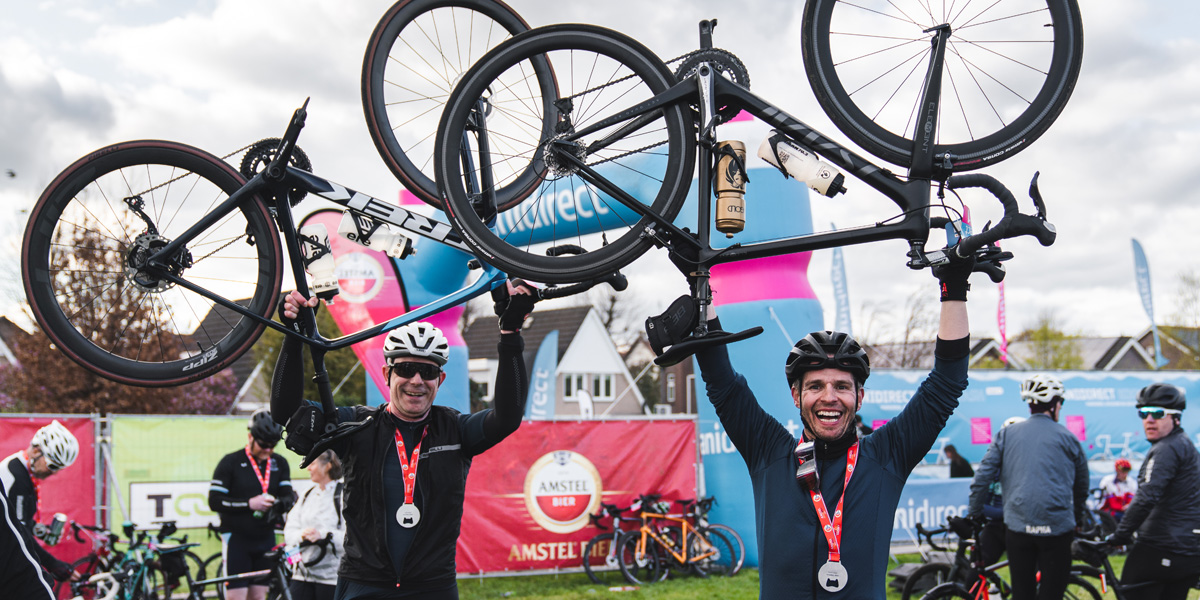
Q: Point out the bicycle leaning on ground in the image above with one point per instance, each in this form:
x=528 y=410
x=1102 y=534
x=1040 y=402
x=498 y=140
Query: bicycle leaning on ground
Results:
x=612 y=140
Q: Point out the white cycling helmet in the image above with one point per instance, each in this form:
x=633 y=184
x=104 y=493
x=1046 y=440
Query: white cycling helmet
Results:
x=1011 y=421
x=417 y=339
x=1042 y=389
x=57 y=444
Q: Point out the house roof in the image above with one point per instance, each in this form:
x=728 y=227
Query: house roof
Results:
x=482 y=333
x=218 y=322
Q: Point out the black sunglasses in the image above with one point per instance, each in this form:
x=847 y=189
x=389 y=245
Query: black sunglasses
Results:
x=407 y=370
x=264 y=445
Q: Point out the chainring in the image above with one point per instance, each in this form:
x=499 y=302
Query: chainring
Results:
x=261 y=153
x=725 y=64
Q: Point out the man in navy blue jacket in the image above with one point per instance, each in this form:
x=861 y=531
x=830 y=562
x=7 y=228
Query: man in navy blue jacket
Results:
x=824 y=503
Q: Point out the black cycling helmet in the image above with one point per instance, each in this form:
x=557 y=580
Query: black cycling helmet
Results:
x=827 y=350
x=264 y=428
x=1162 y=395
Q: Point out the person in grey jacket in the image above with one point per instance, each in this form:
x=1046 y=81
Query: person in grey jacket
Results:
x=1165 y=511
x=1044 y=475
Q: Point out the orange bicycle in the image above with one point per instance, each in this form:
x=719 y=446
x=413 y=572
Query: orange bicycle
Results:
x=667 y=542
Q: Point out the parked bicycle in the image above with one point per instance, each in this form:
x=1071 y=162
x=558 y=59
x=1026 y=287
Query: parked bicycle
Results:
x=283 y=560
x=697 y=512
x=669 y=542
x=600 y=560
x=102 y=557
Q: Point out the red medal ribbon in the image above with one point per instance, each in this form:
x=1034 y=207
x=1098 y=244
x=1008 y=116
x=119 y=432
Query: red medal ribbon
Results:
x=409 y=469
x=833 y=530
x=263 y=479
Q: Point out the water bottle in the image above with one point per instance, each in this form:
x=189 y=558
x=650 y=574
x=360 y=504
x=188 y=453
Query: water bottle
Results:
x=319 y=261
x=802 y=164
x=54 y=529
x=375 y=235
x=730 y=182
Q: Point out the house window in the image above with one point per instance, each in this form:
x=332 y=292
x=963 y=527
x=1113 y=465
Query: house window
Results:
x=573 y=382
x=602 y=388
x=670 y=397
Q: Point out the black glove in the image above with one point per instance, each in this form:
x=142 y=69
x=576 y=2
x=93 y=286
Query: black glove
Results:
x=293 y=324
x=512 y=308
x=61 y=571
x=1118 y=539
x=952 y=275
x=304 y=429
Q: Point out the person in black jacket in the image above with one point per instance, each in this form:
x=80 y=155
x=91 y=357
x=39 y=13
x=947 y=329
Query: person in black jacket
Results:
x=1165 y=511
x=251 y=490
x=52 y=449
x=20 y=571
x=406 y=462
x=959 y=467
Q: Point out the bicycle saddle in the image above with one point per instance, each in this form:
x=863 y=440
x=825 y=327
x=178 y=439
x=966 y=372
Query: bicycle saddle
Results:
x=693 y=344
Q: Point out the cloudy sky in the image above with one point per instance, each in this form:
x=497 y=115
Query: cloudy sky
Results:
x=1120 y=163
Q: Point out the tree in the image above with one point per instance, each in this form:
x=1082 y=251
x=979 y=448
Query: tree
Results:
x=114 y=314
x=342 y=365
x=1050 y=347
x=906 y=335
x=1187 y=303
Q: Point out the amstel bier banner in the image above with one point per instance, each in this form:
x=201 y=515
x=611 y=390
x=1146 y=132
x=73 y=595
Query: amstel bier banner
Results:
x=528 y=499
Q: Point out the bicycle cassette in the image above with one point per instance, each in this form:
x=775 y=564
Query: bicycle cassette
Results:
x=726 y=65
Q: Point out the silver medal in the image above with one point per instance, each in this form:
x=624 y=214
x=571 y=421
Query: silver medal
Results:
x=408 y=516
x=832 y=576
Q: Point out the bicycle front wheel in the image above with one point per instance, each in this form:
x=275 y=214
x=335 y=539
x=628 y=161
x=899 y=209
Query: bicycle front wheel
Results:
x=571 y=228
x=93 y=291
x=925 y=578
x=738 y=547
x=1010 y=68
x=600 y=561
x=716 y=553
x=948 y=591
x=415 y=56
x=638 y=569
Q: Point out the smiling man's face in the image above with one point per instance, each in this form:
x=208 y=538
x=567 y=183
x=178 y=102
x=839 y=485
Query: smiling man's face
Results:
x=828 y=399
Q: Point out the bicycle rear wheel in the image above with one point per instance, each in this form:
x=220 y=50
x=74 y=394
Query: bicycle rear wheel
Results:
x=1010 y=68
x=416 y=54
x=569 y=229
x=84 y=256
x=1079 y=588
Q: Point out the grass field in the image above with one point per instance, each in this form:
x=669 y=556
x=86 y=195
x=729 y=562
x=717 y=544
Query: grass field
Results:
x=576 y=586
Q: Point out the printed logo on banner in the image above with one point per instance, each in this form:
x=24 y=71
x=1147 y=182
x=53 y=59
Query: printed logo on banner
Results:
x=185 y=502
x=360 y=277
x=561 y=489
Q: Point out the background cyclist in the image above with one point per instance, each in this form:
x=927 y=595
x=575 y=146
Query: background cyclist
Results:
x=826 y=372
x=1044 y=476
x=1117 y=490
x=52 y=449
x=402 y=527
x=251 y=490
x=1165 y=512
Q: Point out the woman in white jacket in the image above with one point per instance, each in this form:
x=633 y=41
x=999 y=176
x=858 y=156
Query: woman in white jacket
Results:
x=317 y=516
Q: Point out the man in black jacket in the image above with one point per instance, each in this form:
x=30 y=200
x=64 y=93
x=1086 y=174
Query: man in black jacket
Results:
x=406 y=462
x=1165 y=511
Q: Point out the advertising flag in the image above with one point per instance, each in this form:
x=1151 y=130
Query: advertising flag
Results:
x=540 y=404
x=1002 y=324
x=841 y=293
x=1142 y=271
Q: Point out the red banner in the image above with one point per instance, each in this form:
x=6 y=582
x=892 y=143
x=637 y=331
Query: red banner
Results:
x=71 y=491
x=528 y=498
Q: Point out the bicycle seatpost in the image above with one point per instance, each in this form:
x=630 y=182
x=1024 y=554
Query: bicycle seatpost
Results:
x=283 y=154
x=706 y=28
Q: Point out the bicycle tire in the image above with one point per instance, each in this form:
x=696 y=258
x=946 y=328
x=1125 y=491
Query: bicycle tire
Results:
x=86 y=567
x=415 y=55
x=195 y=567
x=721 y=564
x=947 y=590
x=1079 y=588
x=739 y=547
x=925 y=578
x=635 y=571
x=600 y=73
x=866 y=63
x=595 y=561
x=148 y=332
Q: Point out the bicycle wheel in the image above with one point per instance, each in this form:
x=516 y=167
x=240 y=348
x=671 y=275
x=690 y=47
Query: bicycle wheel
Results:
x=738 y=547
x=88 y=239
x=946 y=591
x=925 y=578
x=600 y=561
x=569 y=229
x=416 y=54
x=1010 y=67
x=86 y=567
x=1080 y=589
x=637 y=570
x=721 y=559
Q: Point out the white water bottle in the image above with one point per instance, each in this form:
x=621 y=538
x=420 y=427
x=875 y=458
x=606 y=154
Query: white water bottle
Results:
x=801 y=163
x=319 y=261
x=375 y=235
